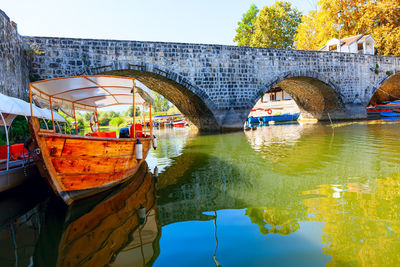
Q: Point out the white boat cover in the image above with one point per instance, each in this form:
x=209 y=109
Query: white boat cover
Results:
x=10 y=107
x=89 y=92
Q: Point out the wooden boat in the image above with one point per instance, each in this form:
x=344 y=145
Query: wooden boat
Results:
x=79 y=166
x=103 y=230
x=16 y=164
x=281 y=118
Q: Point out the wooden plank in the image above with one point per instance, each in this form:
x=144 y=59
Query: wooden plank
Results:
x=55 y=146
x=60 y=147
x=92 y=181
x=65 y=165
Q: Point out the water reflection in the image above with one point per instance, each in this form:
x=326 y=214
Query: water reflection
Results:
x=282 y=195
x=285 y=177
x=20 y=222
x=116 y=228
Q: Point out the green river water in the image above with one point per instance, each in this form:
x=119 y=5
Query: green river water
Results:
x=283 y=195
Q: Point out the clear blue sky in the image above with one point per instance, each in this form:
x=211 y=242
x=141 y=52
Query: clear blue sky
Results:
x=201 y=21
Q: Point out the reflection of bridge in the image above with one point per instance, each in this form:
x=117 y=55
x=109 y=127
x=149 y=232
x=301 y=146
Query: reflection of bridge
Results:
x=215 y=86
x=232 y=175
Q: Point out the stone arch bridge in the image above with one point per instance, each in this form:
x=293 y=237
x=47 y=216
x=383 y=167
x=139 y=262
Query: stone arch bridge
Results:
x=216 y=86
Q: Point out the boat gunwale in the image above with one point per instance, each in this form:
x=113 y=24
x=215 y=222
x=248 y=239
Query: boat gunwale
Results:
x=90 y=138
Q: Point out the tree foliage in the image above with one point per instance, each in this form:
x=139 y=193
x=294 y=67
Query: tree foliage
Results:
x=18 y=132
x=378 y=18
x=117 y=121
x=160 y=103
x=106 y=116
x=276 y=26
x=245 y=29
x=129 y=112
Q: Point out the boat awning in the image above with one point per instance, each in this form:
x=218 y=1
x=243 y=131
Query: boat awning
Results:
x=89 y=92
x=11 y=107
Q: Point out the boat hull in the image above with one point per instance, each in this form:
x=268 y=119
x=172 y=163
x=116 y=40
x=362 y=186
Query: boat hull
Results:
x=281 y=118
x=179 y=124
x=76 y=167
x=17 y=176
x=253 y=120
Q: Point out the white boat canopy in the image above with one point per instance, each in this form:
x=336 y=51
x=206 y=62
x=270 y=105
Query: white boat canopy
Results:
x=89 y=92
x=11 y=107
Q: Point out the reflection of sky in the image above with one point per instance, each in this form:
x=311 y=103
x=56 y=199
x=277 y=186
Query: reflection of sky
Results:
x=240 y=243
x=170 y=143
x=269 y=135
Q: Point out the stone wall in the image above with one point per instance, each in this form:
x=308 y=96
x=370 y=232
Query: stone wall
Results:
x=14 y=65
x=228 y=80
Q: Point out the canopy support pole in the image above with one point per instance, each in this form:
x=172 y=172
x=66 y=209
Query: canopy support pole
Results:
x=8 y=142
x=45 y=122
x=59 y=128
x=134 y=111
x=30 y=97
x=151 y=124
x=76 y=126
x=69 y=128
x=97 y=120
x=143 y=119
x=52 y=117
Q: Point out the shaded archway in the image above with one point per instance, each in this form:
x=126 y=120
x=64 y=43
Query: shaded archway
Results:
x=315 y=99
x=388 y=89
x=196 y=109
x=315 y=95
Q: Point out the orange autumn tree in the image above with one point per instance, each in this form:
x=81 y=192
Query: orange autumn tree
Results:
x=378 y=18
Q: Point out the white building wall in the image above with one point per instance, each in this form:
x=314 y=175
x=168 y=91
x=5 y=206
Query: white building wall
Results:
x=369 y=48
x=286 y=96
x=353 y=48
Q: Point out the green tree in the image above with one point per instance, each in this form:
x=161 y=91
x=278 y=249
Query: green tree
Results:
x=245 y=29
x=104 y=118
x=87 y=116
x=173 y=110
x=160 y=103
x=117 y=121
x=129 y=112
x=276 y=26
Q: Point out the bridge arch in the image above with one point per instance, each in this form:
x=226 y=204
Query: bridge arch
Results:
x=315 y=94
x=387 y=88
x=188 y=98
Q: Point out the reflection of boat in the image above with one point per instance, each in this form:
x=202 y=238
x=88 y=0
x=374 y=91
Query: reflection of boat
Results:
x=282 y=117
x=117 y=227
x=19 y=222
x=390 y=114
x=80 y=166
x=16 y=165
x=179 y=123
